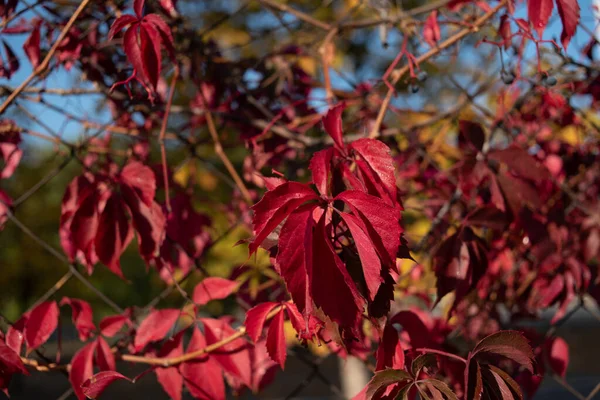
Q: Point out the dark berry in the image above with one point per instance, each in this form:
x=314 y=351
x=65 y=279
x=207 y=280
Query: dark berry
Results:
x=422 y=76
x=549 y=80
x=413 y=88
x=508 y=77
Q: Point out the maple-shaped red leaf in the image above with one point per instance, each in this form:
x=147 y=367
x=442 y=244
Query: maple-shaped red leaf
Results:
x=82 y=317
x=114 y=234
x=213 y=288
x=234 y=356
x=10 y=362
x=276 y=339
x=10 y=153
x=169 y=378
x=109 y=326
x=558 y=355
x=276 y=206
x=510 y=344
x=94 y=386
x=203 y=376
x=41 y=323
x=539 y=12
x=32 y=45
x=431 y=29
x=105 y=359
x=155 y=327
x=82 y=368
x=569 y=16
x=255 y=319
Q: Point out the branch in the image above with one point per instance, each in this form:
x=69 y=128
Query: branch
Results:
x=44 y=64
x=398 y=73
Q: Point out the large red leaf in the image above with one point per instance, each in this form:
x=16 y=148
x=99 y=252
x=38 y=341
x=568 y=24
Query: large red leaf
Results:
x=82 y=317
x=276 y=339
x=332 y=288
x=42 y=321
x=539 y=12
x=164 y=31
x=234 y=356
x=155 y=327
x=203 y=376
x=389 y=352
x=569 y=15
x=377 y=157
x=380 y=220
x=151 y=56
x=82 y=368
x=255 y=319
x=275 y=206
x=85 y=225
x=371 y=265
x=138 y=7
x=294 y=257
x=114 y=234
x=95 y=385
x=213 y=288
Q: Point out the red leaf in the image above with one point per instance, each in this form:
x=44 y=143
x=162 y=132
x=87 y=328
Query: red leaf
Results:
x=331 y=286
x=82 y=368
x=473 y=381
x=510 y=344
x=10 y=153
x=138 y=7
x=149 y=223
x=558 y=356
x=105 y=359
x=332 y=122
x=569 y=15
x=5 y=204
x=294 y=256
x=320 y=165
x=10 y=362
x=389 y=352
x=234 y=356
x=276 y=339
x=169 y=378
x=42 y=321
x=377 y=157
x=539 y=12
x=380 y=220
x=133 y=51
x=486 y=217
x=119 y=24
x=431 y=29
x=505 y=31
x=169 y=7
x=164 y=31
x=213 y=288
x=371 y=265
x=32 y=46
x=15 y=334
x=82 y=317
x=255 y=319
x=155 y=327
x=109 y=326
x=84 y=226
x=519 y=161
x=113 y=235
x=94 y=386
x=203 y=376
x=473 y=134
x=141 y=180
x=13 y=60
x=151 y=56
x=275 y=206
